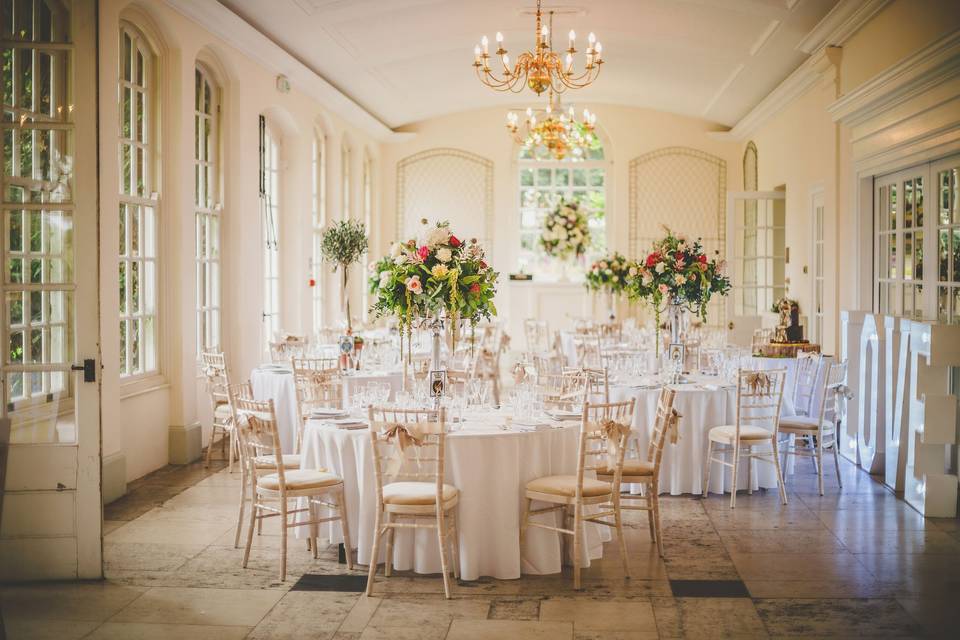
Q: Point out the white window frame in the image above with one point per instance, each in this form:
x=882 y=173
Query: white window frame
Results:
x=270 y=205
x=818 y=280
x=346 y=179
x=139 y=208
x=208 y=209
x=319 y=221
x=530 y=218
x=367 y=202
x=767 y=263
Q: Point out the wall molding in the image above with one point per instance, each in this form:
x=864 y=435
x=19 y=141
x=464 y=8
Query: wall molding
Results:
x=904 y=81
x=239 y=33
x=844 y=20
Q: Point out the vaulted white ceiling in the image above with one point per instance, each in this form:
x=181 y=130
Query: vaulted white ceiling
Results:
x=410 y=60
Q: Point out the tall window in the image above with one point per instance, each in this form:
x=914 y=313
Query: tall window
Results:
x=367 y=195
x=543 y=182
x=37 y=186
x=206 y=119
x=759 y=252
x=345 y=173
x=319 y=220
x=819 y=275
x=269 y=210
x=138 y=205
x=908 y=231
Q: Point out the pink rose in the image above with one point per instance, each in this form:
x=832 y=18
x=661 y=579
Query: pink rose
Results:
x=414 y=285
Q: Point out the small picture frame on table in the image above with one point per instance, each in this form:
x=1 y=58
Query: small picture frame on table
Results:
x=438 y=383
x=676 y=354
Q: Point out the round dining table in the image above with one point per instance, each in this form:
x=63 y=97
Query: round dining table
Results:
x=490 y=461
x=275 y=382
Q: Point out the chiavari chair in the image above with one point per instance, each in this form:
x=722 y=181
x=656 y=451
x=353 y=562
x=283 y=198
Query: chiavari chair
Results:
x=598 y=381
x=604 y=430
x=315 y=392
x=759 y=396
x=408 y=456
x=646 y=472
x=274 y=487
x=214 y=368
x=537 y=335
x=819 y=431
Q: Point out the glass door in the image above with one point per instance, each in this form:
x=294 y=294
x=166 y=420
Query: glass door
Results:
x=51 y=509
x=757 y=252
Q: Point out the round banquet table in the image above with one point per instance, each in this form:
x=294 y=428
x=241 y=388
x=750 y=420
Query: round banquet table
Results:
x=704 y=404
x=490 y=467
x=271 y=382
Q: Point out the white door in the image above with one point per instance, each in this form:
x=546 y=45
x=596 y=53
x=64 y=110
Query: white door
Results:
x=52 y=512
x=817 y=280
x=756 y=246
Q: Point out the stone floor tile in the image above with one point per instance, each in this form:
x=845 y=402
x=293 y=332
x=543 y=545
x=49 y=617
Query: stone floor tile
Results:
x=433 y=632
x=819 y=588
x=360 y=615
x=827 y=617
x=781 y=541
x=707 y=618
x=698 y=559
x=305 y=614
x=147 y=631
x=77 y=601
x=855 y=520
x=514 y=609
x=903 y=541
x=240 y=607
x=136 y=503
x=169 y=532
x=754 y=519
x=428 y=612
x=37 y=629
x=513 y=629
x=938 y=614
x=110 y=525
x=140 y=556
x=800 y=566
x=595 y=614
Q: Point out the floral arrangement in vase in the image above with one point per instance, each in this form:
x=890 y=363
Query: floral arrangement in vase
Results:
x=610 y=274
x=344 y=243
x=566 y=232
x=677 y=275
x=435 y=275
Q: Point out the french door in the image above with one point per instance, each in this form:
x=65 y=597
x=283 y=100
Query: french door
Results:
x=51 y=525
x=757 y=251
x=917 y=242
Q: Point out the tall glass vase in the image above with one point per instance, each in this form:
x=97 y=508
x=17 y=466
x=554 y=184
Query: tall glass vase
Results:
x=676 y=319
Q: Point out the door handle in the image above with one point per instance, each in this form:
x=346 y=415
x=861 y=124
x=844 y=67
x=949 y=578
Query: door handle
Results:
x=89 y=368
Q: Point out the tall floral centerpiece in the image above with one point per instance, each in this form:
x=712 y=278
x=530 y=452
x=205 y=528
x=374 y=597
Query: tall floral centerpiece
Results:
x=434 y=277
x=565 y=234
x=677 y=276
x=610 y=275
x=343 y=244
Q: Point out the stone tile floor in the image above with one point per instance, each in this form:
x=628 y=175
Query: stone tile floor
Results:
x=856 y=562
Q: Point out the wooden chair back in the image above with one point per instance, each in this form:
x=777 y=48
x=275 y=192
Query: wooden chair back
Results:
x=664 y=425
x=759 y=396
x=805 y=384
x=604 y=433
x=258 y=433
x=408 y=446
x=213 y=365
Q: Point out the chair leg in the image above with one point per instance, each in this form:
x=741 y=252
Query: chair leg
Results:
x=819 y=461
x=750 y=473
x=836 y=462
x=577 y=528
x=656 y=520
x=733 y=483
x=345 y=527
x=442 y=540
x=243 y=505
x=229 y=437
x=388 y=561
x=706 y=468
x=456 y=544
x=375 y=552
x=314 y=538
x=523 y=520
x=254 y=504
x=651 y=521
x=213 y=433
x=776 y=461
x=618 y=520
x=283 y=539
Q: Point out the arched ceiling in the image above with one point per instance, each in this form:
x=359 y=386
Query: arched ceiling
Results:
x=410 y=60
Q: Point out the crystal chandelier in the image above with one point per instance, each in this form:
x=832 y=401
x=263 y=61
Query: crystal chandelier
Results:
x=540 y=69
x=556 y=131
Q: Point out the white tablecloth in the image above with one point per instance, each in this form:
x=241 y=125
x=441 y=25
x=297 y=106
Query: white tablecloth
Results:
x=271 y=383
x=490 y=467
x=681 y=469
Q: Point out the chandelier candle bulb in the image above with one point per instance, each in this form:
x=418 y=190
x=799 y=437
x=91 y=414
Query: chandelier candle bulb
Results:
x=485 y=42
x=573 y=39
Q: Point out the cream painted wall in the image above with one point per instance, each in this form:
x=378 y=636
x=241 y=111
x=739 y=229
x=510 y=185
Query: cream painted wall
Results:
x=628 y=133
x=137 y=415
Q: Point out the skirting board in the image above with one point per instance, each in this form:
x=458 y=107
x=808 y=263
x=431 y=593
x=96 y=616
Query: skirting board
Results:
x=186 y=443
x=113 y=477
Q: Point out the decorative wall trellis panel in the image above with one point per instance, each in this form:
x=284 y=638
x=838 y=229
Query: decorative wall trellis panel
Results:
x=685 y=189
x=446 y=184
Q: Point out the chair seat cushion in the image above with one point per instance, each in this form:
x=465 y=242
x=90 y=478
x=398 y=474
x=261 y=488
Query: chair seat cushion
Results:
x=803 y=423
x=299 y=479
x=630 y=468
x=222 y=413
x=567 y=486
x=728 y=432
x=290 y=461
x=416 y=493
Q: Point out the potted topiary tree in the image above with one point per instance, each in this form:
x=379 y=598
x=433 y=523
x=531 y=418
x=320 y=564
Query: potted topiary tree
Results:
x=343 y=244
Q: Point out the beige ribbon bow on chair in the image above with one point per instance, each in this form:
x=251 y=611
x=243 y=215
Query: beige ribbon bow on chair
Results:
x=403 y=437
x=760 y=382
x=612 y=432
x=673 y=425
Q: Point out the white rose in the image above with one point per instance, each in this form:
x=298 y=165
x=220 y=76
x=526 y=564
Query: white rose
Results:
x=384 y=278
x=396 y=249
x=400 y=259
x=660 y=267
x=444 y=254
x=632 y=271
x=609 y=272
x=647 y=279
x=562 y=234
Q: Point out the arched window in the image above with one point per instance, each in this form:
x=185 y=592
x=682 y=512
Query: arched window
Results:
x=319 y=221
x=206 y=117
x=270 y=210
x=367 y=196
x=346 y=180
x=139 y=203
x=544 y=180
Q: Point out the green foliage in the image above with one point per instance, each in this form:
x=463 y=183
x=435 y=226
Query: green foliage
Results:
x=344 y=243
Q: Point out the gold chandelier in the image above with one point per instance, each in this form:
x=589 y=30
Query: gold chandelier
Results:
x=540 y=69
x=555 y=131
